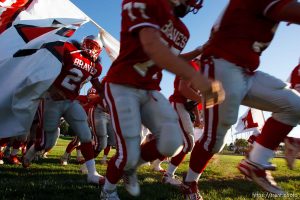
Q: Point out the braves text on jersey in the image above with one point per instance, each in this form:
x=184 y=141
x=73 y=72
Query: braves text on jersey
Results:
x=77 y=69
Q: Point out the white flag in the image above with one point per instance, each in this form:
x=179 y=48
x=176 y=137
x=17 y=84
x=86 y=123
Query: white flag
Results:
x=32 y=34
x=252 y=121
x=111 y=45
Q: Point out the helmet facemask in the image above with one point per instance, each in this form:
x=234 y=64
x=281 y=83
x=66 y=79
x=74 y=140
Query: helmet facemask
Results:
x=92 y=46
x=181 y=8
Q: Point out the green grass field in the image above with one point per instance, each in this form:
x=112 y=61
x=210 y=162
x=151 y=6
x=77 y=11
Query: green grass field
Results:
x=47 y=179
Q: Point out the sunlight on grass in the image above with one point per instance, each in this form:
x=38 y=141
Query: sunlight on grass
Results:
x=47 y=179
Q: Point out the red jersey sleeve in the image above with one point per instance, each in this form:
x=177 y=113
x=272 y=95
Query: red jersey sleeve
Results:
x=295 y=76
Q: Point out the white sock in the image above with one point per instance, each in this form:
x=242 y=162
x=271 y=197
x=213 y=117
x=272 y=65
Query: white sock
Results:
x=192 y=176
x=90 y=165
x=260 y=154
x=109 y=186
x=171 y=169
x=104 y=157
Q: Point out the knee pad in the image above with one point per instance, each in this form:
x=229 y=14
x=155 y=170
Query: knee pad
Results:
x=170 y=140
x=82 y=130
x=51 y=138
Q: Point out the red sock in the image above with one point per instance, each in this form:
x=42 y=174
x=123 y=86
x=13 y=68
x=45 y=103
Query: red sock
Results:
x=273 y=133
x=176 y=160
x=72 y=145
x=106 y=150
x=87 y=151
x=149 y=151
x=199 y=158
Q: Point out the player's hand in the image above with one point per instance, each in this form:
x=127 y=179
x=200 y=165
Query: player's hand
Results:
x=211 y=90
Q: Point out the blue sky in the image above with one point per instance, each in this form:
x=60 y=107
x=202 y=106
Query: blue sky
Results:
x=278 y=60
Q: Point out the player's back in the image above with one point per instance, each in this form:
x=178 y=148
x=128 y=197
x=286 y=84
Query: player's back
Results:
x=243 y=31
x=133 y=66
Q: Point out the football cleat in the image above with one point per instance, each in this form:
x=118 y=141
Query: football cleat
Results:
x=131 y=183
x=64 y=159
x=292 y=150
x=95 y=179
x=13 y=160
x=190 y=191
x=171 y=179
x=29 y=156
x=109 y=195
x=260 y=175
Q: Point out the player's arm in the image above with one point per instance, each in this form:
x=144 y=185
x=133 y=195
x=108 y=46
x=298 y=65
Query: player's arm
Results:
x=188 y=92
x=198 y=122
x=289 y=13
x=192 y=54
x=97 y=85
x=163 y=57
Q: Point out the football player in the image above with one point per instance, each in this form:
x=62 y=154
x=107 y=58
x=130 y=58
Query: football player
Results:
x=152 y=37
x=80 y=65
x=181 y=96
x=232 y=56
x=292 y=144
x=99 y=120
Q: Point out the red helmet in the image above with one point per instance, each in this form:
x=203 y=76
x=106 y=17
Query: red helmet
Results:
x=92 y=45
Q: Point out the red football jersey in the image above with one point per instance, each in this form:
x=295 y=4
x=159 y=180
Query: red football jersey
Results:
x=243 y=31
x=133 y=67
x=177 y=96
x=295 y=77
x=77 y=69
x=83 y=100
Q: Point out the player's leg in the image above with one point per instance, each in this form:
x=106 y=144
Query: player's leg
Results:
x=127 y=126
x=98 y=122
x=77 y=119
x=162 y=121
x=218 y=119
x=67 y=154
x=111 y=141
x=17 y=143
x=38 y=132
x=270 y=94
x=187 y=130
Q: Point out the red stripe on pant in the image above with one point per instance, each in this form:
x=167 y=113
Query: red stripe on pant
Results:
x=114 y=172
